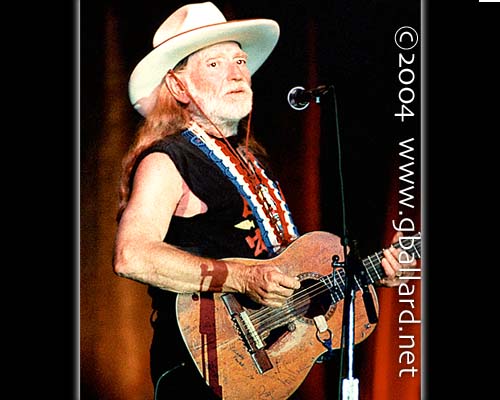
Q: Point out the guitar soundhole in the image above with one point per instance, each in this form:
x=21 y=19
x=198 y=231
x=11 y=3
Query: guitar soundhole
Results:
x=312 y=299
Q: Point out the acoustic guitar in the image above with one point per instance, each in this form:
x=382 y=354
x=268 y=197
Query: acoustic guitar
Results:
x=246 y=351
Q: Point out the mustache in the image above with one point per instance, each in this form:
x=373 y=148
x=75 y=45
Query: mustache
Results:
x=242 y=87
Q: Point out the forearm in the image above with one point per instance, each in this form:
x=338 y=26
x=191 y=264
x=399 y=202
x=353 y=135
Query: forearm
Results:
x=169 y=268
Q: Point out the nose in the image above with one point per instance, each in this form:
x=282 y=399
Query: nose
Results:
x=235 y=71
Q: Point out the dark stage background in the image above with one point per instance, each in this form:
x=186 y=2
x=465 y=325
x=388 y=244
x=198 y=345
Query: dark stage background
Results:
x=349 y=44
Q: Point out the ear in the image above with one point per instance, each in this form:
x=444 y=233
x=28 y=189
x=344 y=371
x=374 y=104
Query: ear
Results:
x=176 y=87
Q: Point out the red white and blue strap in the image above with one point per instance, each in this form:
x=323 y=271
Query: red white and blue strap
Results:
x=276 y=234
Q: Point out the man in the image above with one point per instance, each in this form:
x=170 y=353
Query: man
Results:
x=195 y=190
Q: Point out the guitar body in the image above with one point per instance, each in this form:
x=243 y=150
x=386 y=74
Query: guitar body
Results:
x=238 y=366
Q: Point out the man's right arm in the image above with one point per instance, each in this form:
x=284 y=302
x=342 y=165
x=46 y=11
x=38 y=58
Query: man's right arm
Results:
x=141 y=254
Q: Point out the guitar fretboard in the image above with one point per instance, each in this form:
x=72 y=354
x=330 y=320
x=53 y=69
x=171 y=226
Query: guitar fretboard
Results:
x=372 y=267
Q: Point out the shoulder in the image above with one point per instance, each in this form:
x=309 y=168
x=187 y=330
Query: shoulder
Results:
x=158 y=160
x=157 y=175
x=165 y=145
x=156 y=163
x=165 y=149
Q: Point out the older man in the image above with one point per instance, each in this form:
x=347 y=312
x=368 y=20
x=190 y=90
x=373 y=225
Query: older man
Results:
x=196 y=201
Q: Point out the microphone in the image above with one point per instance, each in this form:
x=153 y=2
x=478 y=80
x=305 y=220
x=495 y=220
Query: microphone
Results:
x=299 y=98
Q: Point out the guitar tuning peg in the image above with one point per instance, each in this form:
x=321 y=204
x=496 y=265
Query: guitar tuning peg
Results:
x=335 y=261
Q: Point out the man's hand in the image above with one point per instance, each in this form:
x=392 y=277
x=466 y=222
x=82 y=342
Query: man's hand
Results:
x=267 y=285
x=393 y=267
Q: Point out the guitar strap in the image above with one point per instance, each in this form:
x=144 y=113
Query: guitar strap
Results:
x=227 y=163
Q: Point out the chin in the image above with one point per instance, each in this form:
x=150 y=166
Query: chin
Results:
x=236 y=113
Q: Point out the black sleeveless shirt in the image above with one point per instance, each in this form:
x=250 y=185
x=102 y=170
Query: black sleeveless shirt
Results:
x=220 y=231
x=226 y=229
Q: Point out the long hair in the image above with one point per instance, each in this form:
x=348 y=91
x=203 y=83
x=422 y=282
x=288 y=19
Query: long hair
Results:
x=168 y=117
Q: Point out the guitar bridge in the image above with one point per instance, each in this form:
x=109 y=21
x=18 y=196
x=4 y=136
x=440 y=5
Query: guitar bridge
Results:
x=255 y=345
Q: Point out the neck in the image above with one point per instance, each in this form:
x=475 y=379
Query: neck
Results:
x=225 y=127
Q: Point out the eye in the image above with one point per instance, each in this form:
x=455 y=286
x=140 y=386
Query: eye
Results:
x=213 y=64
x=241 y=61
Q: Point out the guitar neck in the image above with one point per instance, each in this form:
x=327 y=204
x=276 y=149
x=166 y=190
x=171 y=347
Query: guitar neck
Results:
x=372 y=267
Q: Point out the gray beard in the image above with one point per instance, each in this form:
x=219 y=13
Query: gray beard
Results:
x=225 y=114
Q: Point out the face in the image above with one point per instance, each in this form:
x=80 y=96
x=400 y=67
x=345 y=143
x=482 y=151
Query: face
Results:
x=218 y=79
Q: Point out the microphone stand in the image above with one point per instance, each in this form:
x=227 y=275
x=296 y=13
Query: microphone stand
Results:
x=349 y=388
x=298 y=98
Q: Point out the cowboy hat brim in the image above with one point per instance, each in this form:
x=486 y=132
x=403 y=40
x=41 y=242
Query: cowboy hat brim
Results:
x=257 y=37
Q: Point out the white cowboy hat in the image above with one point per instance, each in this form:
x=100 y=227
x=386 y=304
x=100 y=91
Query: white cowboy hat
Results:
x=191 y=28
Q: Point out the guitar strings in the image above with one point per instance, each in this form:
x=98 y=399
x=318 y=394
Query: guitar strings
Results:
x=267 y=313
x=260 y=315
x=269 y=322
x=272 y=317
x=264 y=317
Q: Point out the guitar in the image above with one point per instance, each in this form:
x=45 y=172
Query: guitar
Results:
x=246 y=351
